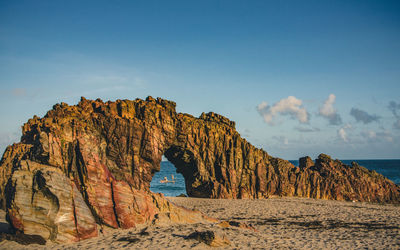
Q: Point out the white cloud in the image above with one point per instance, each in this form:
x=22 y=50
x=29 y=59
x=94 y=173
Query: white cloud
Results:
x=290 y=106
x=329 y=112
x=342 y=132
x=262 y=105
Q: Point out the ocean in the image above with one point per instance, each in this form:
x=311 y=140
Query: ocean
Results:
x=388 y=168
x=168 y=189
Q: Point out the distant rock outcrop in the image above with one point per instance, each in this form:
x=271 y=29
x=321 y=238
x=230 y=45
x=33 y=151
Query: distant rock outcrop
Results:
x=84 y=167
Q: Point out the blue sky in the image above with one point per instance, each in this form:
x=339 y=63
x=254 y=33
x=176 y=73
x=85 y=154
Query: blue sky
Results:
x=298 y=77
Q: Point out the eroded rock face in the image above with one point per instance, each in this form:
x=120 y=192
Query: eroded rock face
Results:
x=84 y=167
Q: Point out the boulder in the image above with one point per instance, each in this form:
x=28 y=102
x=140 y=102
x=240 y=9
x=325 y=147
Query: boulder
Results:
x=210 y=238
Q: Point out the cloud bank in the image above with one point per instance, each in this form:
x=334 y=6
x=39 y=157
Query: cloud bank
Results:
x=363 y=116
x=329 y=112
x=290 y=106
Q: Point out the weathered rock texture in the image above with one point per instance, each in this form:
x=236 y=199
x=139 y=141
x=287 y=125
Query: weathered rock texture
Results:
x=84 y=167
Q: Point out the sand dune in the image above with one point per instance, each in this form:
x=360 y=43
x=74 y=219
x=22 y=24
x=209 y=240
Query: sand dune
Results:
x=279 y=223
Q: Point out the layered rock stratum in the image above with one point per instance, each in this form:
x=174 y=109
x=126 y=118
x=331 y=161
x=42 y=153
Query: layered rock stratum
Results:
x=86 y=167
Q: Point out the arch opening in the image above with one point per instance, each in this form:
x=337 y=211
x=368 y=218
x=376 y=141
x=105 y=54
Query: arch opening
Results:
x=175 y=184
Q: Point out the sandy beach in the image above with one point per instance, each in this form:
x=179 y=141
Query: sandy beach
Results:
x=299 y=223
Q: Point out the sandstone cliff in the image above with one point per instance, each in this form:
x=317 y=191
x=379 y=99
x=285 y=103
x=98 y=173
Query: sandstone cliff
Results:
x=84 y=167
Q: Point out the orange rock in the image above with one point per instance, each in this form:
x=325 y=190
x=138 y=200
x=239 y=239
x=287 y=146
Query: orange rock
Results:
x=90 y=166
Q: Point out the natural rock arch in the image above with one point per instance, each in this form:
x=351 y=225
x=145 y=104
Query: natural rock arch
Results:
x=128 y=138
x=185 y=164
x=98 y=158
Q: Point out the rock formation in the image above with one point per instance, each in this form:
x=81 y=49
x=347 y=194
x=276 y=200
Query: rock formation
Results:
x=81 y=168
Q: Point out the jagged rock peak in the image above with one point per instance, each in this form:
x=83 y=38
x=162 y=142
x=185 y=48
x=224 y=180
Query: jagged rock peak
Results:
x=305 y=162
x=213 y=117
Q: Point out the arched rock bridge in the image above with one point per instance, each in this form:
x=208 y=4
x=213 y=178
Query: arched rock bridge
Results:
x=85 y=167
